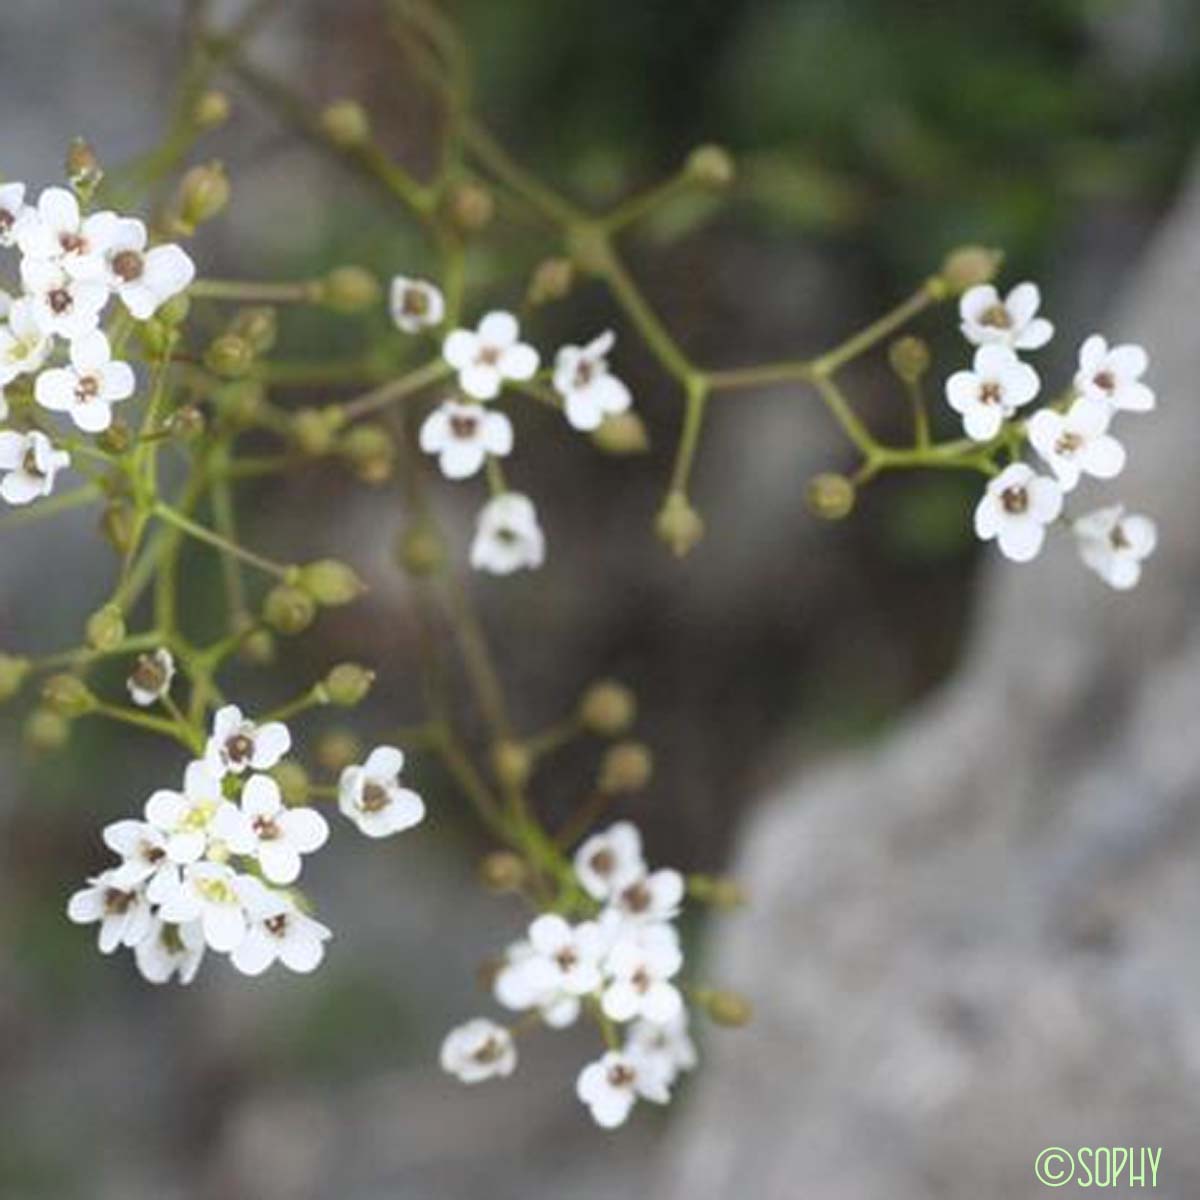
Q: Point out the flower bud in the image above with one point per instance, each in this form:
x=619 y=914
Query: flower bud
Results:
x=258 y=325
x=588 y=247
x=348 y=684
x=313 y=430
x=830 y=496
x=711 y=167
x=337 y=749
x=511 y=763
x=679 y=524
x=45 y=730
x=419 y=550
x=346 y=124
x=288 y=610
x=371 y=452
x=552 y=280
x=116 y=439
x=969 y=266
x=607 y=708
x=349 y=289
x=909 y=358
x=211 y=109
x=203 y=194
x=186 y=423
x=68 y=696
x=718 y=890
x=503 y=871
x=240 y=402
x=724 y=1007
x=470 y=207
x=293 y=781
x=623 y=433
x=117 y=525
x=84 y=171
x=105 y=629
x=258 y=648
x=331 y=583
x=12 y=674
x=626 y=768
x=229 y=356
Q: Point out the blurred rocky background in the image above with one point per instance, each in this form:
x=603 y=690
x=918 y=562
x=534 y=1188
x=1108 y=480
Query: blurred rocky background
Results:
x=970 y=937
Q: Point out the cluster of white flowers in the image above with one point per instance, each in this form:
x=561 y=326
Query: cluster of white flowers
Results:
x=212 y=866
x=623 y=964
x=71 y=263
x=462 y=433
x=1072 y=438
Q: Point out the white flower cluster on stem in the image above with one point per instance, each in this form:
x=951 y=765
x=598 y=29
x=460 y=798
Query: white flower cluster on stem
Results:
x=1072 y=436
x=621 y=965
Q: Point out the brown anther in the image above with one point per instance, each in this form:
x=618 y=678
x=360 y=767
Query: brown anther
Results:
x=636 y=898
x=1106 y=381
x=415 y=302
x=619 y=1075
x=128 y=265
x=991 y=393
x=1015 y=500
x=996 y=316
x=276 y=926
x=375 y=798
x=464 y=427
x=60 y=301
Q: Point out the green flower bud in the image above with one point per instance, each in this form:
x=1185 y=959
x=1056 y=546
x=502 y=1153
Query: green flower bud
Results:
x=346 y=124
x=116 y=439
x=470 y=207
x=711 y=167
x=241 y=402
x=679 y=524
x=314 y=430
x=626 y=768
x=830 y=496
x=348 y=684
x=186 y=423
x=331 y=583
x=337 y=749
x=969 y=266
x=106 y=628
x=607 y=708
x=117 y=525
x=229 y=356
x=718 y=890
x=45 y=730
x=350 y=289
x=512 y=763
x=68 y=696
x=12 y=674
x=211 y=109
x=724 y=1007
x=258 y=325
x=624 y=433
x=503 y=871
x=371 y=452
x=258 y=648
x=552 y=280
x=203 y=194
x=289 y=610
x=419 y=550
x=909 y=358
x=293 y=781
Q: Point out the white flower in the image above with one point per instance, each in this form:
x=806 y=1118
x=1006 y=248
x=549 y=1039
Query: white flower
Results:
x=478 y=1050
x=282 y=834
x=145 y=279
x=277 y=931
x=371 y=795
x=123 y=912
x=463 y=435
x=62 y=303
x=1077 y=443
x=508 y=536
x=1115 y=545
x=992 y=391
x=416 y=304
x=652 y=898
x=1015 y=510
x=88 y=388
x=23 y=343
x=485 y=358
x=12 y=208
x=612 y=1085
x=525 y=981
x=237 y=744
x=198 y=816
x=641 y=965
x=170 y=950
x=589 y=391
x=666 y=1050
x=1013 y=321
x=566 y=956
x=56 y=231
x=151 y=678
x=214 y=895
x=143 y=850
x=30 y=463
x=611 y=860
x=1114 y=375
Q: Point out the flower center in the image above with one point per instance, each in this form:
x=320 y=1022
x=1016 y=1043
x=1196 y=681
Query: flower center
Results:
x=603 y=862
x=29 y=464
x=415 y=302
x=170 y=940
x=88 y=388
x=585 y=372
x=997 y=317
x=489 y=1052
x=266 y=829
x=60 y=301
x=375 y=798
x=621 y=1076
x=991 y=393
x=636 y=898
x=464 y=428
x=239 y=748
x=7 y=221
x=148 y=676
x=1106 y=381
x=72 y=243
x=151 y=853
x=128 y=265
x=488 y=356
x=276 y=926
x=1015 y=500
x=216 y=891
x=1118 y=539
x=566 y=958
x=641 y=980
x=117 y=902
x=198 y=816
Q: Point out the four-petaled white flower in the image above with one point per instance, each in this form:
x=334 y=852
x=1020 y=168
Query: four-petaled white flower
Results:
x=55 y=230
x=650 y=898
x=63 y=304
x=277 y=931
x=12 y=209
x=122 y=911
x=526 y=982
x=169 y=950
x=198 y=816
x=1114 y=375
x=1015 y=510
x=565 y=956
x=1013 y=321
x=508 y=537
x=612 y=1085
x=463 y=435
x=589 y=390
x=1078 y=442
x=150 y=680
x=237 y=744
x=416 y=304
x=216 y=896
x=143 y=851
x=1114 y=544
x=281 y=834
x=477 y=1050
x=24 y=344
x=486 y=357
x=609 y=861
x=666 y=1049
x=986 y=396
x=641 y=966
x=87 y=389
x=371 y=796
x=145 y=279
x=30 y=463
